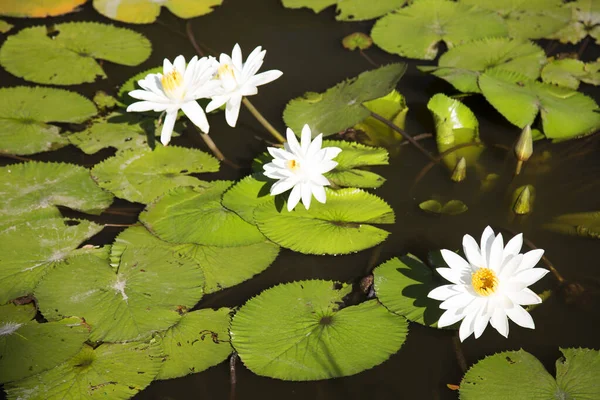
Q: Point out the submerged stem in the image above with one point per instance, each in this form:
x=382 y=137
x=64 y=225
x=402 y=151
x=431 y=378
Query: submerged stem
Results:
x=215 y=150
x=263 y=121
x=460 y=357
x=192 y=38
x=232 y=375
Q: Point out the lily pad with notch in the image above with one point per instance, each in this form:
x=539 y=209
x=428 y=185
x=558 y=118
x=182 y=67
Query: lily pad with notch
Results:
x=349 y=10
x=147 y=11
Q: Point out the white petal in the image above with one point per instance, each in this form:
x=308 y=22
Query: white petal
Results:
x=236 y=56
x=190 y=70
x=530 y=276
x=467 y=327
x=331 y=152
x=530 y=259
x=319 y=193
x=280 y=153
x=294 y=198
x=499 y=321
x=217 y=101
x=459 y=301
x=510 y=267
x=253 y=63
x=315 y=146
x=292 y=141
x=513 y=247
x=306 y=192
x=142 y=106
x=232 y=111
x=525 y=297
x=472 y=252
x=265 y=77
x=326 y=166
x=521 y=317
x=451 y=275
x=195 y=113
x=167 y=128
x=179 y=64
x=305 y=138
x=481 y=321
x=167 y=67
x=442 y=292
x=248 y=90
x=450 y=317
x=282 y=186
x=152 y=83
x=149 y=96
x=320 y=180
x=487 y=238
x=496 y=254
x=455 y=261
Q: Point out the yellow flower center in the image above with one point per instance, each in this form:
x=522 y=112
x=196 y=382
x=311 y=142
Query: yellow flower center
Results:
x=293 y=165
x=484 y=281
x=225 y=71
x=172 y=84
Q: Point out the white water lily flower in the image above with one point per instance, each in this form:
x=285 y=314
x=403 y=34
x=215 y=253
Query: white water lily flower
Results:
x=178 y=87
x=239 y=79
x=300 y=167
x=490 y=287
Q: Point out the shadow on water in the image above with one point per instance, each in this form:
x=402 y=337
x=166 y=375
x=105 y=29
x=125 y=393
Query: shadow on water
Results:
x=307 y=48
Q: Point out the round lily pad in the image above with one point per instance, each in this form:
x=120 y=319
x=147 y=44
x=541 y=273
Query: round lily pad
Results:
x=198 y=341
x=196 y=215
x=340 y=226
x=247 y=194
x=352 y=161
x=26 y=111
x=357 y=40
x=402 y=285
x=30 y=249
x=142 y=175
x=143 y=295
x=110 y=371
x=300 y=331
x=569 y=73
x=349 y=10
x=38 y=8
x=146 y=11
x=70 y=52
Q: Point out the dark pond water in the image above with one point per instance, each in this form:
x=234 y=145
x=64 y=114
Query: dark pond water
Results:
x=306 y=47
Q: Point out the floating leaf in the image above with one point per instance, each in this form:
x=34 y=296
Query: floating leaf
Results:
x=569 y=72
x=12 y=315
x=340 y=107
x=340 y=226
x=349 y=10
x=24 y=112
x=585 y=224
x=146 y=11
x=357 y=40
x=415 y=31
x=452 y=207
x=528 y=19
x=391 y=107
x=104 y=101
x=223 y=267
x=576 y=377
x=142 y=175
x=142 y=296
x=30 y=348
x=566 y=114
x=455 y=124
x=5 y=26
x=29 y=250
x=402 y=286
x=353 y=157
x=110 y=371
x=35 y=186
x=461 y=65
x=132 y=84
x=69 y=54
x=196 y=215
x=38 y=8
x=198 y=341
x=247 y=194
x=297 y=331
x=585 y=17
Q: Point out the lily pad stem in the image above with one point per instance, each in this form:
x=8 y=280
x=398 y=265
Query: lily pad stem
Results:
x=263 y=121
x=215 y=150
x=232 y=376
x=460 y=356
x=405 y=135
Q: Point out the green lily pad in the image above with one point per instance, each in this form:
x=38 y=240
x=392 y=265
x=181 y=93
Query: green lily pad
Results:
x=585 y=224
x=37 y=186
x=71 y=51
x=340 y=226
x=110 y=371
x=351 y=160
x=29 y=250
x=38 y=8
x=391 y=107
x=452 y=207
x=357 y=40
x=223 y=267
x=5 y=26
x=132 y=84
x=569 y=72
x=142 y=175
x=104 y=101
x=349 y=10
x=30 y=348
x=247 y=194
x=585 y=18
x=462 y=65
x=142 y=296
x=340 y=107
x=416 y=30
x=402 y=285
x=197 y=342
x=566 y=114
x=146 y=11
x=528 y=19
x=13 y=314
x=196 y=215
x=298 y=331
x=25 y=111
x=455 y=124
x=576 y=377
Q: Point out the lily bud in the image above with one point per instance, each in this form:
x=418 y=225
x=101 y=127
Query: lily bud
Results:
x=524 y=202
x=460 y=171
x=524 y=148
